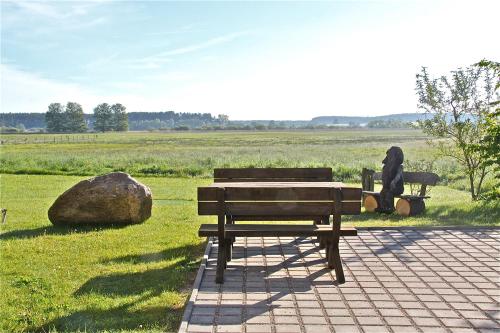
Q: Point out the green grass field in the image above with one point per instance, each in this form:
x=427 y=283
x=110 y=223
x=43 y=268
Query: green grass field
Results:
x=137 y=278
x=196 y=154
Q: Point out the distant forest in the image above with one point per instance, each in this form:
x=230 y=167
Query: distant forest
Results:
x=137 y=121
x=170 y=120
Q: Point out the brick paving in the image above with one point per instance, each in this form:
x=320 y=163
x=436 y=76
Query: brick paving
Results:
x=397 y=280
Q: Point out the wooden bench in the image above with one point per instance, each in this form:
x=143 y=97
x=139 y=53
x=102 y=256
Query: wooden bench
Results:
x=292 y=199
x=237 y=175
x=407 y=205
x=252 y=175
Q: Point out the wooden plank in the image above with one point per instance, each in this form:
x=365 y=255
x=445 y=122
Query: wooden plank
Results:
x=414 y=197
x=268 y=208
x=276 y=218
x=325 y=174
x=277 y=184
x=262 y=230
x=279 y=208
x=351 y=193
x=351 y=208
x=268 y=194
x=260 y=180
x=427 y=178
x=278 y=193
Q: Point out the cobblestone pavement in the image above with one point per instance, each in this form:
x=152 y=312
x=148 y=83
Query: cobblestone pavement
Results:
x=397 y=280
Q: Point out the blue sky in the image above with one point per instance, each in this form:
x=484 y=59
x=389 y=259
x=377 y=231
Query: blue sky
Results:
x=250 y=60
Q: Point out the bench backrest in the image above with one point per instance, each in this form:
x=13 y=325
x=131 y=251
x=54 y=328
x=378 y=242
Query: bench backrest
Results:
x=273 y=175
x=423 y=178
x=278 y=202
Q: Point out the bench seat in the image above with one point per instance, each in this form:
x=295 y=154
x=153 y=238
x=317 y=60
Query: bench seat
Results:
x=402 y=196
x=275 y=230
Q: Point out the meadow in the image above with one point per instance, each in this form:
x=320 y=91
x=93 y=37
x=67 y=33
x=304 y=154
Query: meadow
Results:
x=137 y=278
x=196 y=154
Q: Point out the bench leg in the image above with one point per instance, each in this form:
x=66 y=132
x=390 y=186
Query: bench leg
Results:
x=229 y=249
x=322 y=240
x=329 y=254
x=229 y=220
x=318 y=239
x=337 y=264
x=221 y=262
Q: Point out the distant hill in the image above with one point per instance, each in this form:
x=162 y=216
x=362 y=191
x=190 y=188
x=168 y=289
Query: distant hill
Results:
x=333 y=120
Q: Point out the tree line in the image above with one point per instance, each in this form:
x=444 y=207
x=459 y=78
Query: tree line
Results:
x=65 y=119
x=110 y=118
x=71 y=119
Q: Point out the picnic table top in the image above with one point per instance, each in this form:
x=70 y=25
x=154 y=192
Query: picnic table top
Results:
x=256 y=184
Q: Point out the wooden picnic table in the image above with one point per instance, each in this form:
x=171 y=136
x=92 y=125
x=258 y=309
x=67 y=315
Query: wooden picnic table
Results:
x=278 y=201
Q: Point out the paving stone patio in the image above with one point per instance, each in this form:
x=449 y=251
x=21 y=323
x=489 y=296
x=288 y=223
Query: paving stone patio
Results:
x=397 y=280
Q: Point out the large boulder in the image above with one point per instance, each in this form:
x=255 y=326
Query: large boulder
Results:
x=115 y=198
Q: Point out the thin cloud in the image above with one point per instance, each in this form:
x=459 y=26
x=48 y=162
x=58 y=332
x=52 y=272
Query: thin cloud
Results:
x=88 y=24
x=203 y=45
x=181 y=30
x=156 y=61
x=39 y=8
x=46 y=9
x=147 y=63
x=101 y=62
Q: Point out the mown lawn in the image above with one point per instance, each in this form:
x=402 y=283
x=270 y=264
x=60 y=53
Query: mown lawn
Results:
x=135 y=278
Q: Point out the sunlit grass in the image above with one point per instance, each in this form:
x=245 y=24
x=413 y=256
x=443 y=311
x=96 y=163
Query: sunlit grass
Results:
x=196 y=154
x=134 y=278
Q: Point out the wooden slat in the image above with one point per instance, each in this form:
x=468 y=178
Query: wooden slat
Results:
x=263 y=230
x=277 y=194
x=426 y=178
x=351 y=208
x=278 y=184
x=278 y=208
x=268 y=208
x=414 y=197
x=351 y=193
x=275 y=218
x=260 y=180
x=255 y=174
x=267 y=194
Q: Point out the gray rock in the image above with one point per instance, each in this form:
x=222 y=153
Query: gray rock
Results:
x=115 y=198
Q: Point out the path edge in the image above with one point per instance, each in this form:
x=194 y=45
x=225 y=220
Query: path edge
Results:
x=196 y=286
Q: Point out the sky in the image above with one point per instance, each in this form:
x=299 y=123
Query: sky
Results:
x=249 y=60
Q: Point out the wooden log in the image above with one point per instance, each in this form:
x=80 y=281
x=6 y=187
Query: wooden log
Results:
x=371 y=202
x=410 y=206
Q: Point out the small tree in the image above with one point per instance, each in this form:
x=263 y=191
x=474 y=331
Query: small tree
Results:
x=223 y=119
x=75 y=120
x=120 y=117
x=54 y=118
x=103 y=118
x=489 y=146
x=457 y=106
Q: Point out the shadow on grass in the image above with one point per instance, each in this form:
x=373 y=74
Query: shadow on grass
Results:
x=481 y=214
x=151 y=257
x=158 y=318
x=54 y=230
x=141 y=287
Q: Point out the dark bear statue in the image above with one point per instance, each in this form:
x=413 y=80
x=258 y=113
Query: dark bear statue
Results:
x=392 y=179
